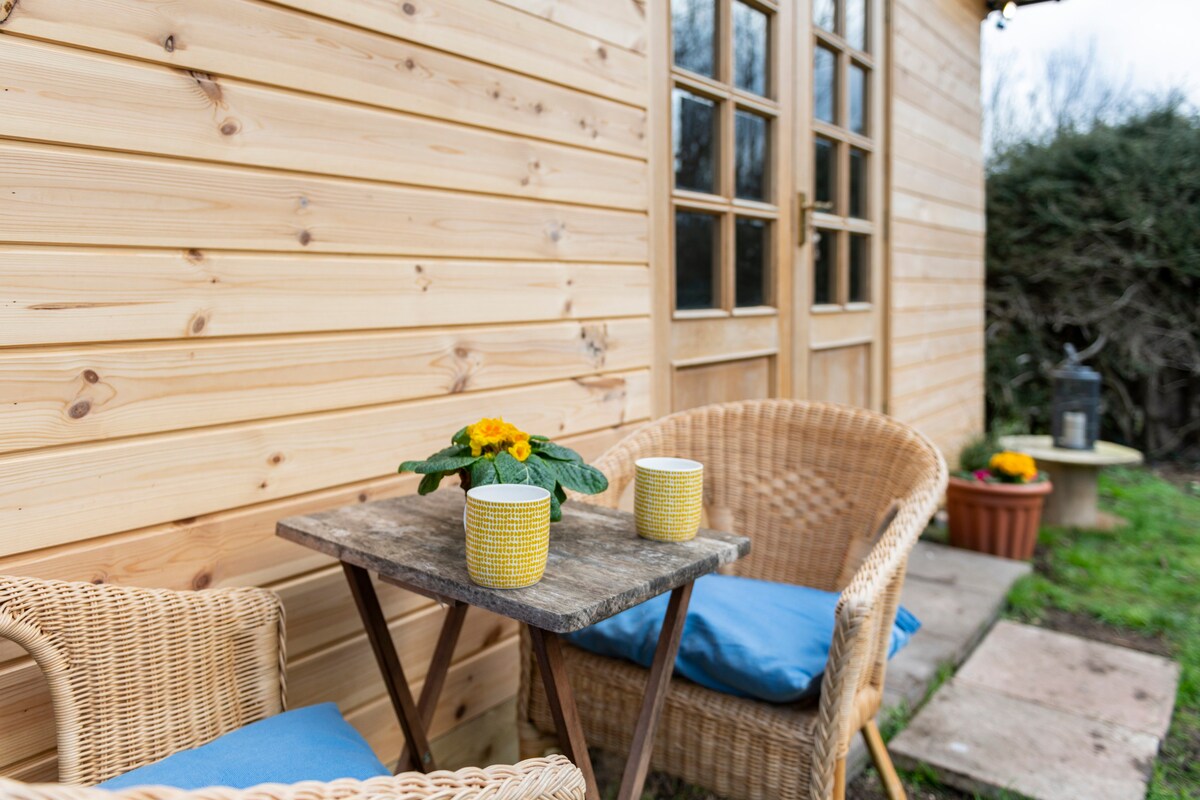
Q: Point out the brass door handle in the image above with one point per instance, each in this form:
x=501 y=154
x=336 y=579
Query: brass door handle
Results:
x=803 y=209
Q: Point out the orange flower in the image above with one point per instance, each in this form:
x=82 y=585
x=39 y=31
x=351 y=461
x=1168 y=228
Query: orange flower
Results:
x=1014 y=465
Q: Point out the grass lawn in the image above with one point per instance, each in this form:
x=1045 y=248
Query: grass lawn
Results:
x=1140 y=587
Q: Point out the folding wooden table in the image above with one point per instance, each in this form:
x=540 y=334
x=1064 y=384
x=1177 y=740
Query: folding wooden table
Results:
x=597 y=567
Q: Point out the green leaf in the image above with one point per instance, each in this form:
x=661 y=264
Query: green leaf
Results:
x=560 y=493
x=537 y=437
x=450 y=452
x=532 y=471
x=483 y=472
x=580 y=477
x=439 y=463
x=557 y=451
x=462 y=437
x=430 y=482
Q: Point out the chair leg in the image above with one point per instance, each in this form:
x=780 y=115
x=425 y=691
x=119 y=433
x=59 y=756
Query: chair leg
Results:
x=883 y=762
x=839 y=780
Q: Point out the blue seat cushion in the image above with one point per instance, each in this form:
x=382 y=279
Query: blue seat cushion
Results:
x=744 y=637
x=313 y=743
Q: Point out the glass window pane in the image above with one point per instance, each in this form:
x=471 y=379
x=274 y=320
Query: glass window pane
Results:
x=860 y=268
x=694 y=34
x=694 y=129
x=825 y=174
x=824 y=267
x=858 y=183
x=750 y=150
x=696 y=260
x=750 y=244
x=825 y=14
x=749 y=48
x=856 y=23
x=825 y=84
x=858 y=99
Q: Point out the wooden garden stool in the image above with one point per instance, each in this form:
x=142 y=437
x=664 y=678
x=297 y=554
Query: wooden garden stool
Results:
x=597 y=567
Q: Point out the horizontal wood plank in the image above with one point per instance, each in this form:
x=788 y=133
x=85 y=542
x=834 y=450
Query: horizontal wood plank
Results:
x=58 y=295
x=63 y=95
x=494 y=33
x=73 y=493
x=272 y=45
x=619 y=22
x=319 y=677
x=57 y=195
x=78 y=394
x=477 y=684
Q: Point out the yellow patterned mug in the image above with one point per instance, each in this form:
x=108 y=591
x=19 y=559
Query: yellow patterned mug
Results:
x=668 y=496
x=508 y=534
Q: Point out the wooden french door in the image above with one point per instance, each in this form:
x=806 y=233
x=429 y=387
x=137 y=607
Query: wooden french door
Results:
x=748 y=222
x=839 y=181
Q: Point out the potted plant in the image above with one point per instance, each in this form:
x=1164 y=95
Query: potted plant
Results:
x=495 y=451
x=996 y=508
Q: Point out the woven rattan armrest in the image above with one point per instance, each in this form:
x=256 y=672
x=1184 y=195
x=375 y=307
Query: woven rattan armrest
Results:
x=550 y=778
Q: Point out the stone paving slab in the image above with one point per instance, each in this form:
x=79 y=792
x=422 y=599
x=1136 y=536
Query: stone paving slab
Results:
x=1047 y=715
x=980 y=740
x=957 y=595
x=1112 y=684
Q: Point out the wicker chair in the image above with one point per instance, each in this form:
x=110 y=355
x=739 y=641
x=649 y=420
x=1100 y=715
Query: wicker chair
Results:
x=833 y=498
x=138 y=674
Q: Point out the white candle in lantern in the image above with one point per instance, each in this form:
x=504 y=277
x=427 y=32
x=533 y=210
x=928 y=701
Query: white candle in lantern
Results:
x=1074 y=429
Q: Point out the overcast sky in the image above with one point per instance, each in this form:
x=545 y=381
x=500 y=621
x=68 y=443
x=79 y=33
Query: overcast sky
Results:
x=1148 y=46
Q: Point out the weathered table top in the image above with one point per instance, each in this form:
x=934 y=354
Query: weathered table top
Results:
x=1042 y=448
x=598 y=566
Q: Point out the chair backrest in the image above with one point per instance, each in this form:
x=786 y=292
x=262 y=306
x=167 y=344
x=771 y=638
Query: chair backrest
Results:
x=138 y=674
x=808 y=482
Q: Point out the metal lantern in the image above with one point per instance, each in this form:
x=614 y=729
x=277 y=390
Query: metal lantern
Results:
x=1075 y=412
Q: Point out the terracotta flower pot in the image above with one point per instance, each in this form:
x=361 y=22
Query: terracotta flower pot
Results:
x=997 y=518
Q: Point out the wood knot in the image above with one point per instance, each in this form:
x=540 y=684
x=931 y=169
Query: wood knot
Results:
x=305 y=237
x=6 y=8
x=202 y=580
x=461 y=711
x=209 y=86
x=602 y=52
x=410 y=64
x=80 y=409
x=198 y=324
x=408 y=8
x=538 y=108
x=277 y=458
x=362 y=497
x=194 y=256
x=90 y=376
x=169 y=43
x=461 y=352
x=418 y=268
x=263 y=485
x=230 y=126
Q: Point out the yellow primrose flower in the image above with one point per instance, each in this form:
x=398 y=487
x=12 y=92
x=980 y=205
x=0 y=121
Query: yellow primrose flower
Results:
x=1014 y=465
x=520 y=450
x=487 y=432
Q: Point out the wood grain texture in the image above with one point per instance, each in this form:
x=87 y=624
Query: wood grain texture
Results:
x=276 y=46
x=57 y=295
x=57 y=195
x=597 y=566
x=73 y=493
x=58 y=94
x=77 y=394
x=937 y=216
x=494 y=33
x=620 y=22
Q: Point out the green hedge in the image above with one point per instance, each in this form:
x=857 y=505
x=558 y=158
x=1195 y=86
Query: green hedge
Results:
x=1094 y=239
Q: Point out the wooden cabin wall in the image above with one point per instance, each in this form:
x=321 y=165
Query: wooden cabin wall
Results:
x=254 y=254
x=936 y=315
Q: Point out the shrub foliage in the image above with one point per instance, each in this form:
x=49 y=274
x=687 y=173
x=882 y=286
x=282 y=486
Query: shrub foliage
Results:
x=1094 y=239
